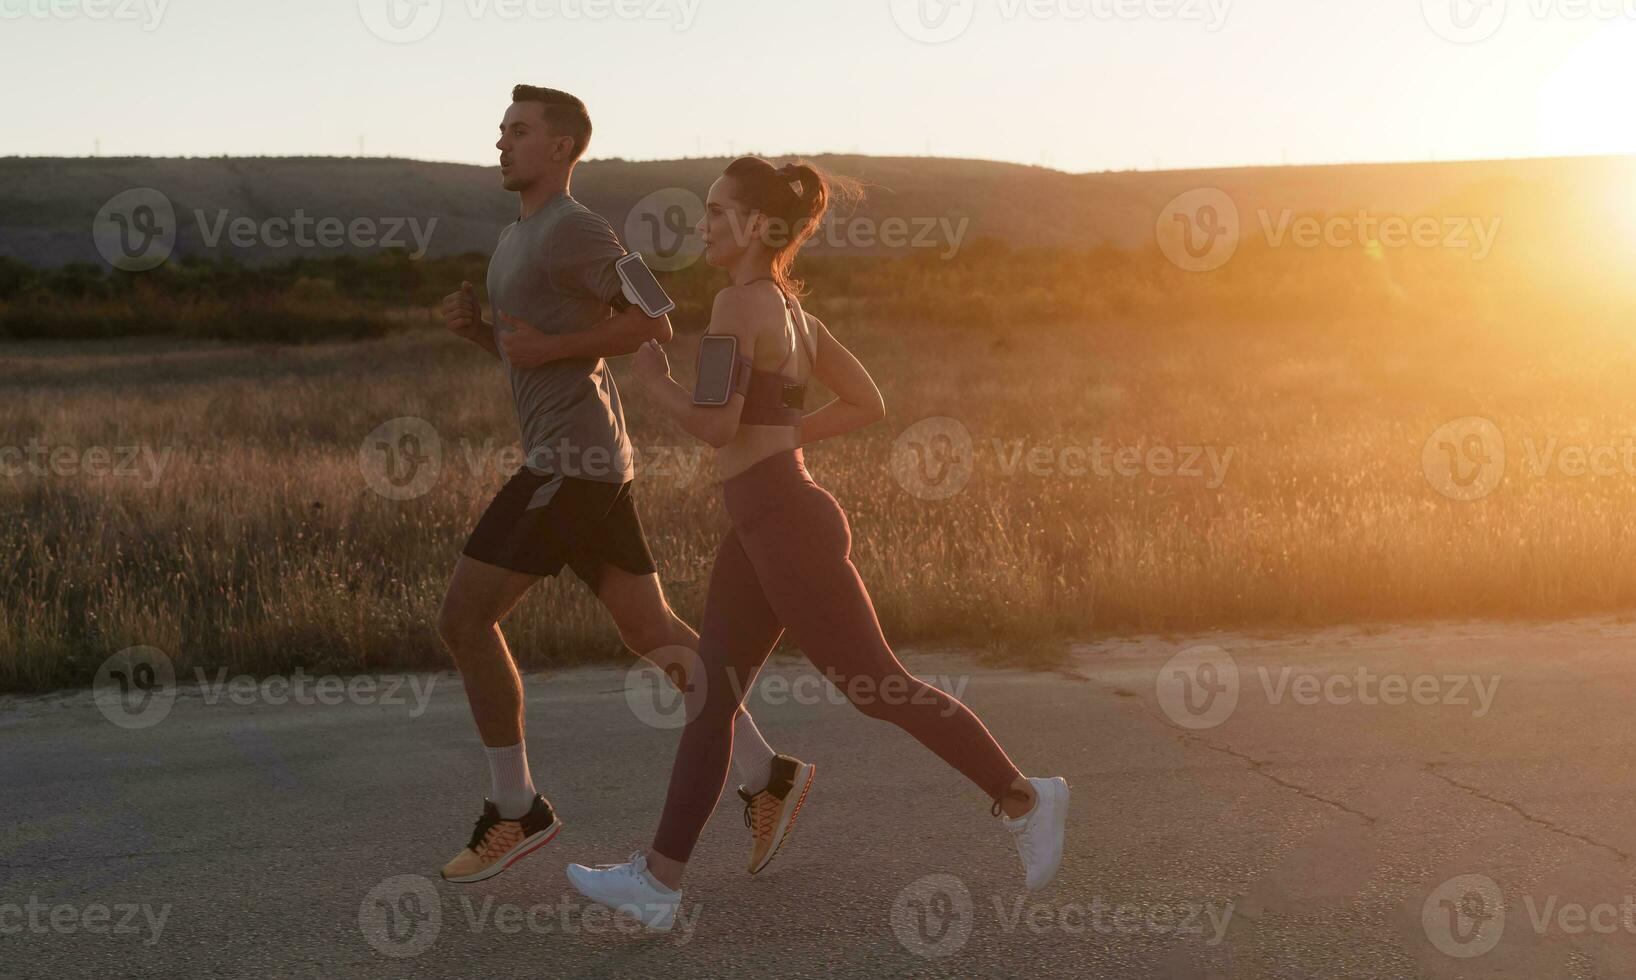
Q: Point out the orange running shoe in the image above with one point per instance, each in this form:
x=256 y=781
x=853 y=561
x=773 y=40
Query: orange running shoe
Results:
x=498 y=844
x=770 y=814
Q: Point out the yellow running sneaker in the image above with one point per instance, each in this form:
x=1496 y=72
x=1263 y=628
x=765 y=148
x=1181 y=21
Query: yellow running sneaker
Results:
x=770 y=814
x=498 y=844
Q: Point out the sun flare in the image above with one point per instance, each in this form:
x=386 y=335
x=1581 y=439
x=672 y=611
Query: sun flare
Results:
x=1585 y=107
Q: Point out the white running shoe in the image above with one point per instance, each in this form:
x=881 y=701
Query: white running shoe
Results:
x=1039 y=833
x=629 y=887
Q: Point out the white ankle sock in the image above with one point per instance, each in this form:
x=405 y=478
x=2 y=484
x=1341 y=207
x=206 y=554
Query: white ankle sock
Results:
x=513 y=788
x=752 y=756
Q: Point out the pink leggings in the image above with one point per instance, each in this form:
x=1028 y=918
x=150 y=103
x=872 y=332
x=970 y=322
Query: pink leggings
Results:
x=786 y=563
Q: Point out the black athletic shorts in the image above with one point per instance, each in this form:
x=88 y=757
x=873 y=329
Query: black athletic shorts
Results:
x=585 y=525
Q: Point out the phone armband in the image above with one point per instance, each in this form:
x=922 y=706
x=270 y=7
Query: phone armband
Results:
x=640 y=287
x=721 y=371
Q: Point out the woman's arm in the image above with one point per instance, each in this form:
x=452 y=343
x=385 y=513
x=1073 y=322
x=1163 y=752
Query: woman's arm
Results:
x=715 y=424
x=857 y=403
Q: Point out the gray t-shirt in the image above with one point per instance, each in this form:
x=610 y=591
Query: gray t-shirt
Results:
x=555 y=270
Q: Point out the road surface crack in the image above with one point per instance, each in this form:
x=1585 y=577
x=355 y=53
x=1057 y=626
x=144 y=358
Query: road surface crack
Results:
x=1260 y=768
x=1431 y=767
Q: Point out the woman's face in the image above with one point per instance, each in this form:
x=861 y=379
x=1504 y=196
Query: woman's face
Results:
x=728 y=226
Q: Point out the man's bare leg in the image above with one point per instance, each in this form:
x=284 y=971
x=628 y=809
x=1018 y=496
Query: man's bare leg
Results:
x=650 y=629
x=647 y=625
x=516 y=821
x=479 y=597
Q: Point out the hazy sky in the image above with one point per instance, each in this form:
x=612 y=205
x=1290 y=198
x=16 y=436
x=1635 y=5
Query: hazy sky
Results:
x=1073 y=84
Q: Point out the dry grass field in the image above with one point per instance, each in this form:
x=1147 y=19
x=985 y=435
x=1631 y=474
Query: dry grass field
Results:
x=1079 y=442
x=1126 y=474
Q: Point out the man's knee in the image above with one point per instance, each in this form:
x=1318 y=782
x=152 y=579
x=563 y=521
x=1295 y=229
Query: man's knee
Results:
x=459 y=626
x=651 y=631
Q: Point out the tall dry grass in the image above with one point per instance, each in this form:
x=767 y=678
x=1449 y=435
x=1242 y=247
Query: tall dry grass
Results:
x=261 y=547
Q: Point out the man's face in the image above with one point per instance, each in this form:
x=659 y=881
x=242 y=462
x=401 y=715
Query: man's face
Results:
x=528 y=149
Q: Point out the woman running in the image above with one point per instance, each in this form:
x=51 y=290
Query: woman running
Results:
x=786 y=560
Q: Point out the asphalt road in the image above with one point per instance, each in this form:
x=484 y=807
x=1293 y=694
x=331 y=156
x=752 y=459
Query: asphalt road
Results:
x=1440 y=801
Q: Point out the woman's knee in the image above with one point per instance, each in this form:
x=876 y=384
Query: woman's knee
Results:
x=710 y=715
x=709 y=698
x=885 y=697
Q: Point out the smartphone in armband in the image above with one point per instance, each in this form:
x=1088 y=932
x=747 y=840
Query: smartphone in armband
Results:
x=641 y=287
x=718 y=362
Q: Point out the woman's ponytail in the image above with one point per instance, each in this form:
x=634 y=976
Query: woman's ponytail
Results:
x=796 y=197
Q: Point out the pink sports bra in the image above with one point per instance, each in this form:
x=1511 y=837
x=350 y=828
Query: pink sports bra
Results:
x=771 y=397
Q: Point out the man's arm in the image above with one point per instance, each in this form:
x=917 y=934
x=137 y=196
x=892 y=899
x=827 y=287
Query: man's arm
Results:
x=582 y=259
x=616 y=336
x=620 y=334
x=463 y=316
x=483 y=336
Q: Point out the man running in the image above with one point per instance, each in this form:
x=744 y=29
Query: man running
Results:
x=552 y=282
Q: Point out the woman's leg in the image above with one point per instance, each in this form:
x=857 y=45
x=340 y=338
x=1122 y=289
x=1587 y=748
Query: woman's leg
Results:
x=736 y=635
x=802 y=560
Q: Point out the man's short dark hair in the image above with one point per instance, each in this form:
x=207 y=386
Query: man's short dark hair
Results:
x=564 y=113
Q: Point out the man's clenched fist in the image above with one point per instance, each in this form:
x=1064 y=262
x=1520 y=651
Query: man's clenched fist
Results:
x=462 y=313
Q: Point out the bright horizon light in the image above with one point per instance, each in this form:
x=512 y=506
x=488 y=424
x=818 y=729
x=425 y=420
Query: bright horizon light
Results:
x=1075 y=85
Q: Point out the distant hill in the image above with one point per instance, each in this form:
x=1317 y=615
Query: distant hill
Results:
x=48 y=205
